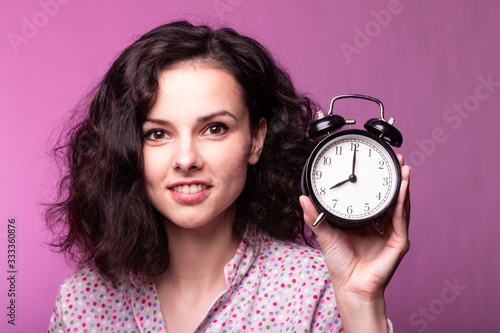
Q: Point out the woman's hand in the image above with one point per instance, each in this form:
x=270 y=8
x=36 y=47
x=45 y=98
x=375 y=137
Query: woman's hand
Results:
x=361 y=262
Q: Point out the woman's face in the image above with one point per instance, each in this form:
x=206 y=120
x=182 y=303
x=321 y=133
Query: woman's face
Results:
x=197 y=145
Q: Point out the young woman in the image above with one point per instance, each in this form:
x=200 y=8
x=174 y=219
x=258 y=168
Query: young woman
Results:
x=181 y=203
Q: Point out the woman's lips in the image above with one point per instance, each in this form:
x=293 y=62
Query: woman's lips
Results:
x=190 y=193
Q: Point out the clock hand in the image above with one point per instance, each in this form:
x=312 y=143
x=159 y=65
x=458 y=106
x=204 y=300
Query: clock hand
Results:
x=352 y=177
x=341 y=183
x=353 y=163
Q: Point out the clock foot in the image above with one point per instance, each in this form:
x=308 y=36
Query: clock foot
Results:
x=378 y=226
x=319 y=219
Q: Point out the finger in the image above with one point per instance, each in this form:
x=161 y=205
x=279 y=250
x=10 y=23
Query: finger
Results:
x=401 y=160
x=405 y=183
x=405 y=169
x=405 y=175
x=401 y=215
x=404 y=192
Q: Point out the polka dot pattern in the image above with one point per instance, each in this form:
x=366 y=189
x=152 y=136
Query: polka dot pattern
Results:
x=272 y=286
x=87 y=302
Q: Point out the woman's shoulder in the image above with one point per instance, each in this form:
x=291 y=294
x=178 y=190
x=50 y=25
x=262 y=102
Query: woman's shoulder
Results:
x=87 y=292
x=88 y=280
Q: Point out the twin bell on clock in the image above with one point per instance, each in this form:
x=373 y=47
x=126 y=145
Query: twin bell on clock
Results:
x=352 y=176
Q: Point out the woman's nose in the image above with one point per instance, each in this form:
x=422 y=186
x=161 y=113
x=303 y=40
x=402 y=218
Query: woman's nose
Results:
x=187 y=156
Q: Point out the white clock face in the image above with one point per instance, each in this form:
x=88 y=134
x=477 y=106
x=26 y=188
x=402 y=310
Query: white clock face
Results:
x=354 y=177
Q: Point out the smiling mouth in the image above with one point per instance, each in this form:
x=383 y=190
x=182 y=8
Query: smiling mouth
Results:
x=189 y=189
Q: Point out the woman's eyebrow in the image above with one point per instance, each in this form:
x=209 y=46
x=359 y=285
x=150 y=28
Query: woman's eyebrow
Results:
x=209 y=116
x=201 y=119
x=157 y=121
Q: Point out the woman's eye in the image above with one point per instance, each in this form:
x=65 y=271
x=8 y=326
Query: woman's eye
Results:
x=216 y=129
x=156 y=135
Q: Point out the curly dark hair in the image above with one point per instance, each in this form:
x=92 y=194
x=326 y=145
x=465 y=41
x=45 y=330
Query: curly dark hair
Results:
x=106 y=217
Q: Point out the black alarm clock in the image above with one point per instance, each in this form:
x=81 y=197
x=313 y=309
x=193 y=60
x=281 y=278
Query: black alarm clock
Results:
x=352 y=176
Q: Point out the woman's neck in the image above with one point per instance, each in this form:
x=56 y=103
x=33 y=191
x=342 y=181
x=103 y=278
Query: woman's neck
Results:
x=198 y=256
x=195 y=275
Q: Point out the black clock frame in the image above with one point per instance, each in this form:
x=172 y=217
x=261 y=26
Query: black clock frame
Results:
x=338 y=221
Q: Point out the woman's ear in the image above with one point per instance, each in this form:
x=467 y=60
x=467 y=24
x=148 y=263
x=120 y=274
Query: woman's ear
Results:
x=258 y=136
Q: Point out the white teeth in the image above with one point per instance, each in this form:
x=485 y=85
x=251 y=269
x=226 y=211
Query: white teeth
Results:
x=193 y=188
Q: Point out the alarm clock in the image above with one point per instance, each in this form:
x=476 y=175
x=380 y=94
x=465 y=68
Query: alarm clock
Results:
x=352 y=176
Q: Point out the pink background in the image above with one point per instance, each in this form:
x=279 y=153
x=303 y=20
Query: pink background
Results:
x=425 y=59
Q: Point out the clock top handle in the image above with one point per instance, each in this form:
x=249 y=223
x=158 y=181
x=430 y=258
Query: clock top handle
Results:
x=369 y=98
x=380 y=127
